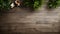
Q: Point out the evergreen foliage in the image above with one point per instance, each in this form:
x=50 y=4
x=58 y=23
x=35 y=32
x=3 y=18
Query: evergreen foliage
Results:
x=53 y=3
x=37 y=3
x=4 y=4
x=32 y=3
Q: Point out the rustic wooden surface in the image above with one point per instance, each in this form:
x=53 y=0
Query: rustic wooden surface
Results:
x=22 y=21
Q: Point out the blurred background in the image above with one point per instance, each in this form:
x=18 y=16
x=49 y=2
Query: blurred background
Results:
x=24 y=20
